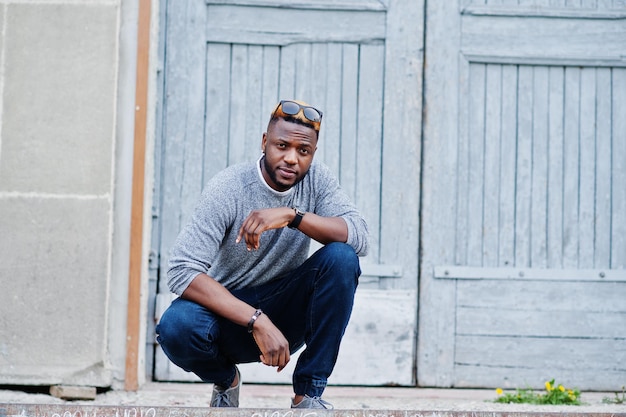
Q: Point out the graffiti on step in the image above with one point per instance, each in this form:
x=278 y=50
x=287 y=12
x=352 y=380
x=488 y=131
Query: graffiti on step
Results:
x=114 y=411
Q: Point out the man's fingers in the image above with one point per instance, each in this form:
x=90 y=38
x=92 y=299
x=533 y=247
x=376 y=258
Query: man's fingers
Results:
x=276 y=359
x=259 y=221
x=285 y=362
x=250 y=232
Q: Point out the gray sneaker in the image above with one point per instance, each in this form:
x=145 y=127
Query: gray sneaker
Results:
x=226 y=397
x=312 y=402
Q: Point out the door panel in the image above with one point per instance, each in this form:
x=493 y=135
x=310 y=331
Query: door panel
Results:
x=523 y=157
x=227 y=63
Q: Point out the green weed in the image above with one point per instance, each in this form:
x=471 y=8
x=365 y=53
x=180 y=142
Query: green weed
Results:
x=618 y=399
x=554 y=394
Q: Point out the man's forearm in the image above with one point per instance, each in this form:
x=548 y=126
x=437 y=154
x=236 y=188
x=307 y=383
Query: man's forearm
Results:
x=212 y=295
x=324 y=229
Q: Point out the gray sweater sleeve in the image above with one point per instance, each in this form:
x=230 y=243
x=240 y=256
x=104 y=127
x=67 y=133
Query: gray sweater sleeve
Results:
x=332 y=201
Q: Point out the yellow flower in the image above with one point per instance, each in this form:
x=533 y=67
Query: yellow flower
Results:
x=499 y=391
x=548 y=386
x=561 y=388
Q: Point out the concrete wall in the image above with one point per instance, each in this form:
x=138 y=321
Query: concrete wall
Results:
x=62 y=303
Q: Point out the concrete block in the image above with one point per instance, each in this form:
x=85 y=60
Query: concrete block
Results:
x=68 y=392
x=54 y=255
x=59 y=97
x=2 y=11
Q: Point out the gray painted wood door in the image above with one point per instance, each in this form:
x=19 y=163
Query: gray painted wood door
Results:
x=524 y=228
x=226 y=64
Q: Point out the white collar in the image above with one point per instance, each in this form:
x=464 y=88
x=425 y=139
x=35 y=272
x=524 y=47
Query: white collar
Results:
x=278 y=193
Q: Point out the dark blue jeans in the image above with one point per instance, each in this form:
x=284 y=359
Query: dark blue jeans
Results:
x=311 y=305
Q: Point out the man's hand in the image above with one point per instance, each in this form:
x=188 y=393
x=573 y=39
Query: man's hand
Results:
x=259 y=221
x=273 y=345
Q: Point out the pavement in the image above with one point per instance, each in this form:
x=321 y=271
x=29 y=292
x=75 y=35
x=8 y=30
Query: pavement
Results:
x=256 y=400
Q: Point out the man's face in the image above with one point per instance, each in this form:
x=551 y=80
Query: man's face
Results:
x=289 y=149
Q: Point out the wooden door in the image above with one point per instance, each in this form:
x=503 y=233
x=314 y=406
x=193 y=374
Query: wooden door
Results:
x=524 y=245
x=225 y=66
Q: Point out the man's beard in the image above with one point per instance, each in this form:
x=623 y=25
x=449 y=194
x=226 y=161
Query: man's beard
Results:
x=271 y=173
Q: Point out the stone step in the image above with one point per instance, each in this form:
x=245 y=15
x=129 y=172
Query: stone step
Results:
x=160 y=399
x=79 y=410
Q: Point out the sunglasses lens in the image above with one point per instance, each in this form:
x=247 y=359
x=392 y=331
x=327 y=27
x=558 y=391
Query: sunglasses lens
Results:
x=312 y=114
x=291 y=108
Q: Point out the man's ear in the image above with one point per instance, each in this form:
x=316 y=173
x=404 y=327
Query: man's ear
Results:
x=264 y=142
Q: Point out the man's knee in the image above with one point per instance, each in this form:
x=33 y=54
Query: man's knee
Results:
x=345 y=266
x=181 y=329
x=344 y=256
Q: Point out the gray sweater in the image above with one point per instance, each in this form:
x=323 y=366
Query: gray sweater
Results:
x=207 y=243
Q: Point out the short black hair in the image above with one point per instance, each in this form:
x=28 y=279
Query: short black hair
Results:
x=296 y=120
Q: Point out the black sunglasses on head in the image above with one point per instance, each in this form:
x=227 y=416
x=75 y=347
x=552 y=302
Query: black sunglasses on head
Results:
x=292 y=108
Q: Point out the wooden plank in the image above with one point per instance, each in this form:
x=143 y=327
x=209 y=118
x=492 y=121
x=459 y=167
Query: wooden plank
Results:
x=555 y=169
x=269 y=83
x=542 y=41
x=546 y=354
x=156 y=223
x=332 y=111
x=618 y=172
x=571 y=174
x=508 y=322
x=508 y=156
x=381 y=270
x=592 y=9
x=304 y=73
x=388 y=320
x=217 y=109
x=238 y=148
x=437 y=297
x=602 y=248
x=402 y=114
x=513 y=378
x=369 y=142
x=308 y=4
x=349 y=132
x=476 y=167
x=493 y=132
x=462 y=154
x=72 y=392
x=545 y=296
x=281 y=26
x=470 y=272
x=184 y=72
x=587 y=191
x=193 y=144
x=523 y=181
x=136 y=252
x=319 y=85
x=287 y=77
x=539 y=172
x=253 y=118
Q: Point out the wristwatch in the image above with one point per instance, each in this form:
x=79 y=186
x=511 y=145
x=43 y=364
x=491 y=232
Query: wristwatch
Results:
x=296 y=220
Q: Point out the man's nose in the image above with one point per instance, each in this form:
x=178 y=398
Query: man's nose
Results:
x=291 y=156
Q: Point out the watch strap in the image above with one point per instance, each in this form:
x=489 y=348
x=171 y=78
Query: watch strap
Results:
x=296 y=220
